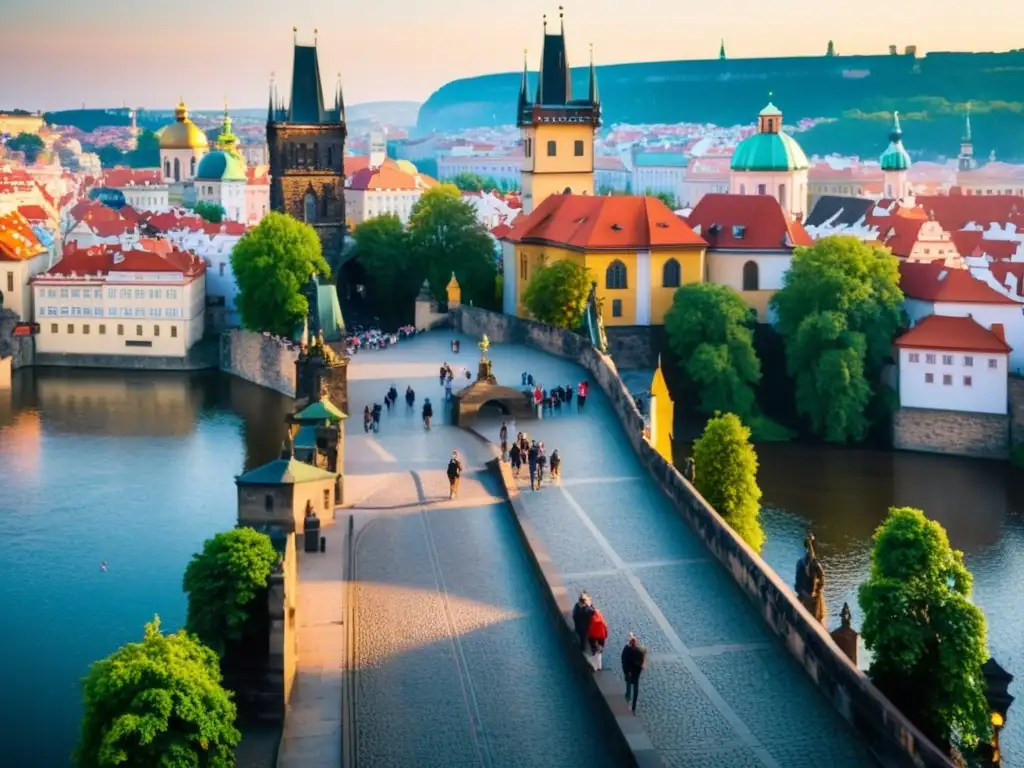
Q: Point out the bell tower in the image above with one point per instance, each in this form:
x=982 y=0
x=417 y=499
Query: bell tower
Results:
x=557 y=130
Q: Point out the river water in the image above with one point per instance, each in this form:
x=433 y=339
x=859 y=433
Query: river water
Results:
x=137 y=470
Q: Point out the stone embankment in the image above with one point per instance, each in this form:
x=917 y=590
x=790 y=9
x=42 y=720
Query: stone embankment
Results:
x=261 y=359
x=891 y=737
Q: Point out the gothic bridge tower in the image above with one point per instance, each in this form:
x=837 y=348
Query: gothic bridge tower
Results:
x=307 y=149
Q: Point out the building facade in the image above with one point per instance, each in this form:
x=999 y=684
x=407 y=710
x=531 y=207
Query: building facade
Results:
x=182 y=146
x=149 y=300
x=895 y=163
x=386 y=189
x=557 y=131
x=22 y=256
x=307 y=148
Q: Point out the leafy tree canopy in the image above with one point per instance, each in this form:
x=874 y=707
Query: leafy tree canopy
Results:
x=469 y=182
x=110 y=156
x=726 y=476
x=708 y=330
x=838 y=311
x=926 y=636
x=445 y=238
x=29 y=143
x=271 y=263
x=212 y=212
x=222 y=581
x=557 y=294
x=146 y=153
x=393 y=276
x=159 y=703
x=666 y=197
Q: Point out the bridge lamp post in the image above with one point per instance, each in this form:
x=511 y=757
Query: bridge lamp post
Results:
x=997 y=694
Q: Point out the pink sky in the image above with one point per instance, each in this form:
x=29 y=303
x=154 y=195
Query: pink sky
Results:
x=61 y=53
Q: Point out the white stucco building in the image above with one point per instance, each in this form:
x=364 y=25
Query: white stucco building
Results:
x=771 y=163
x=149 y=300
x=143 y=190
x=953 y=364
x=389 y=188
x=22 y=256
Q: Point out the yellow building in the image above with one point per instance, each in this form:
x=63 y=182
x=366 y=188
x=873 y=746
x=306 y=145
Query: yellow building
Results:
x=17 y=122
x=636 y=249
x=557 y=130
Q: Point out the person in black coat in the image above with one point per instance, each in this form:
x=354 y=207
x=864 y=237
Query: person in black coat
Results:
x=582 y=613
x=428 y=413
x=634 y=659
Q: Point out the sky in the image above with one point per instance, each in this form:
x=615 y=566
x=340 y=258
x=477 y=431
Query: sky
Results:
x=59 y=54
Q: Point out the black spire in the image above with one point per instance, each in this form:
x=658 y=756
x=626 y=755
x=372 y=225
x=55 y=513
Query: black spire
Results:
x=524 y=89
x=593 y=96
x=307 y=104
x=554 y=86
x=896 y=134
x=270 y=100
x=339 y=102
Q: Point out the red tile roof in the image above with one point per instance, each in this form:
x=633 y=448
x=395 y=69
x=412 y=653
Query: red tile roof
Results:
x=997 y=249
x=899 y=234
x=766 y=225
x=17 y=240
x=501 y=231
x=34 y=213
x=356 y=163
x=132 y=177
x=147 y=256
x=934 y=281
x=957 y=211
x=586 y=223
x=966 y=240
x=953 y=333
x=389 y=176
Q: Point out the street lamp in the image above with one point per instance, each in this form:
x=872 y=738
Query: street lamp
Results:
x=997 y=694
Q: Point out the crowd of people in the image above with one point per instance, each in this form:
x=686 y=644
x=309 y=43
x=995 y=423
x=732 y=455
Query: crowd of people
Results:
x=592 y=630
x=375 y=338
x=551 y=401
x=533 y=453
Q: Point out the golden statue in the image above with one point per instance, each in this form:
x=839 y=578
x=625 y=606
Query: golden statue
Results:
x=484 y=344
x=454 y=292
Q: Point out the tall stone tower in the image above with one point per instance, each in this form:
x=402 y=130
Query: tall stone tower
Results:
x=557 y=130
x=895 y=162
x=307 y=148
x=966 y=162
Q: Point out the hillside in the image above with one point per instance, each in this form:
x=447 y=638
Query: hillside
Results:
x=852 y=89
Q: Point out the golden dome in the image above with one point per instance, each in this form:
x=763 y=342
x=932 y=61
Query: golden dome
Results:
x=182 y=133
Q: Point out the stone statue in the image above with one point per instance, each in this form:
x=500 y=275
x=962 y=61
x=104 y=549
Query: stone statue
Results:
x=810 y=581
x=690 y=470
x=845 y=617
x=485 y=345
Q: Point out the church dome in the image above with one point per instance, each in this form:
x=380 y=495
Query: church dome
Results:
x=406 y=166
x=896 y=157
x=221 y=166
x=182 y=133
x=769 y=149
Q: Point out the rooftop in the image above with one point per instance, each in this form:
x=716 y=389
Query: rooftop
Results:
x=747 y=222
x=284 y=472
x=934 y=281
x=954 y=333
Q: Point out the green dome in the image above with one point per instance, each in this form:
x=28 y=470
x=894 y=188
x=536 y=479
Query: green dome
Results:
x=895 y=158
x=769 y=152
x=221 y=166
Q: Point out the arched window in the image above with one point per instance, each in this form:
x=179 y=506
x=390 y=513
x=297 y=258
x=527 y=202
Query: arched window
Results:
x=751 y=278
x=192 y=167
x=315 y=160
x=743 y=189
x=268 y=502
x=330 y=157
x=782 y=195
x=671 y=274
x=615 y=276
x=177 y=169
x=310 y=212
x=167 y=169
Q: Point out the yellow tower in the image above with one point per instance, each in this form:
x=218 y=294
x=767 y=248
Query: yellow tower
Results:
x=557 y=130
x=662 y=414
x=454 y=292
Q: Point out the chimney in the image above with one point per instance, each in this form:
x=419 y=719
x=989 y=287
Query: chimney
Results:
x=999 y=331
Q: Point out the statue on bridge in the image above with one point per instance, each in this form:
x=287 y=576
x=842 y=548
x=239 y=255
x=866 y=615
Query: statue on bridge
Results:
x=483 y=369
x=810 y=581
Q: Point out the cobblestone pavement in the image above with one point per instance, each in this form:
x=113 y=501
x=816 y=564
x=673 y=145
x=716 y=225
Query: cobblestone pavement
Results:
x=457 y=658
x=719 y=689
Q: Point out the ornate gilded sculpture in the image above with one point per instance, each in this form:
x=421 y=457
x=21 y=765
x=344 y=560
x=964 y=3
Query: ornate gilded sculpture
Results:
x=810 y=581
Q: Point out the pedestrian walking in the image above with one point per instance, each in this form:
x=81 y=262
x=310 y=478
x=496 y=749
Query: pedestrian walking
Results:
x=582 y=613
x=387 y=401
x=444 y=373
x=568 y=394
x=634 y=660
x=367 y=419
x=515 y=457
x=690 y=470
x=597 y=636
x=410 y=397
x=556 y=465
x=448 y=388
x=542 y=462
x=454 y=474
x=503 y=437
x=525 y=375
x=376 y=416
x=428 y=412
x=581 y=395
x=531 y=458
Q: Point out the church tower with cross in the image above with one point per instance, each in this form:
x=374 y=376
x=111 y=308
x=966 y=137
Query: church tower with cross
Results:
x=307 y=148
x=557 y=129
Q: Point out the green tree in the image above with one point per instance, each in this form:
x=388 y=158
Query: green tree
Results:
x=838 y=312
x=726 y=468
x=393 y=276
x=211 y=212
x=146 y=153
x=557 y=294
x=445 y=238
x=666 y=197
x=221 y=582
x=29 y=143
x=110 y=156
x=708 y=330
x=469 y=182
x=491 y=183
x=160 y=703
x=272 y=262
x=926 y=637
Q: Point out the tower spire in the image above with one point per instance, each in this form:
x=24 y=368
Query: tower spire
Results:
x=270 y=100
x=967 y=123
x=897 y=132
x=593 y=95
x=721 y=50
x=561 y=19
x=524 y=89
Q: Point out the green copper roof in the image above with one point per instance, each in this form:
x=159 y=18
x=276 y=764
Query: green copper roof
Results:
x=284 y=472
x=770 y=111
x=895 y=158
x=769 y=152
x=221 y=166
x=321 y=410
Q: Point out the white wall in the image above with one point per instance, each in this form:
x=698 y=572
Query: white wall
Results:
x=1010 y=315
x=670 y=179
x=986 y=393
x=184 y=158
x=793 y=199
x=726 y=268
x=143 y=198
x=14 y=277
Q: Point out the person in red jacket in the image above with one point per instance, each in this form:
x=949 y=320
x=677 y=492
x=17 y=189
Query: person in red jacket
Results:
x=598 y=636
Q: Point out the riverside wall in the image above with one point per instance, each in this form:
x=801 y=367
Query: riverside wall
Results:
x=955 y=433
x=21 y=349
x=261 y=359
x=893 y=739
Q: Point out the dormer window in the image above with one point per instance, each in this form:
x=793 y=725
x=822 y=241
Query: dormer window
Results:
x=714 y=229
x=617 y=227
x=738 y=230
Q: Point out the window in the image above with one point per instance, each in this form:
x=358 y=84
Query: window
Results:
x=762 y=189
x=53 y=328
x=177 y=169
x=327 y=499
x=782 y=194
x=529 y=147
x=103 y=330
x=522 y=266
x=51 y=292
x=140 y=293
x=310 y=207
x=10 y=282
x=947 y=359
x=220 y=268
x=85 y=328
x=156 y=330
x=929 y=378
x=968 y=361
x=63 y=293
x=671 y=274
x=65 y=311
x=138 y=330
x=947 y=380
x=120 y=330
x=743 y=189
x=268 y=502
x=192 y=167
x=140 y=311
x=929 y=359
x=126 y=293
x=915 y=357
x=993 y=363
x=167 y=168
x=968 y=381
x=71 y=328
x=172 y=293
x=552 y=149
x=578 y=148
x=751 y=277
x=174 y=331
x=154 y=312
x=75 y=293
x=616 y=307
x=615 y=276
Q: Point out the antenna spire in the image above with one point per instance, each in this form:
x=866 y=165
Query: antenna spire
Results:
x=295 y=35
